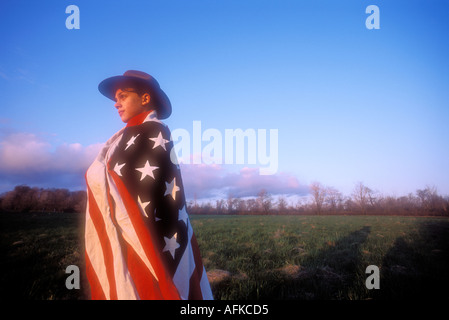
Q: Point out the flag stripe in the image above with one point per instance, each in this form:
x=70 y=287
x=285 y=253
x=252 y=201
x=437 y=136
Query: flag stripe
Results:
x=146 y=285
x=168 y=289
x=96 y=258
x=123 y=285
x=96 y=291
x=126 y=257
x=205 y=286
x=195 y=289
x=185 y=268
x=125 y=224
x=100 y=228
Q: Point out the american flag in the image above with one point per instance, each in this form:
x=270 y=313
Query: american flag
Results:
x=138 y=237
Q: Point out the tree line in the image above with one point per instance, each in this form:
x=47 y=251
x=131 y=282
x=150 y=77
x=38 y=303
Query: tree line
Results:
x=322 y=200
x=26 y=199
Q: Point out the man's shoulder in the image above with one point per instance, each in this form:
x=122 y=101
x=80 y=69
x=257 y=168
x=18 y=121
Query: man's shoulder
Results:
x=150 y=127
x=154 y=125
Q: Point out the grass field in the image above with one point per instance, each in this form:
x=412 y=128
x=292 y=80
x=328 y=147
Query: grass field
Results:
x=252 y=257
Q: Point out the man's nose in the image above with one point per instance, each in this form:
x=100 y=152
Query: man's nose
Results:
x=117 y=105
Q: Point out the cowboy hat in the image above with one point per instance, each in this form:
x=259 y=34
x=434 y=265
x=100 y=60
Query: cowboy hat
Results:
x=158 y=100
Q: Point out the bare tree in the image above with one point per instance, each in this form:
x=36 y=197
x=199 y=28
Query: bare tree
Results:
x=79 y=199
x=27 y=199
x=240 y=205
x=361 y=196
x=220 y=206
x=251 y=205
x=282 y=204
x=334 y=199
x=428 y=198
x=230 y=203
x=264 y=201
x=319 y=194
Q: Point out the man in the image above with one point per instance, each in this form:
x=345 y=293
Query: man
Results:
x=139 y=240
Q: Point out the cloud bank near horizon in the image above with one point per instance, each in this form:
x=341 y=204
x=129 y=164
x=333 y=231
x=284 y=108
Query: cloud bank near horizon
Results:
x=27 y=158
x=30 y=159
x=209 y=181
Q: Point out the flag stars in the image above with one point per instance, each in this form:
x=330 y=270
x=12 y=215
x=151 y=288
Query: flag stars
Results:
x=171 y=245
x=172 y=188
x=147 y=170
x=131 y=141
x=143 y=205
x=182 y=215
x=159 y=141
x=118 y=167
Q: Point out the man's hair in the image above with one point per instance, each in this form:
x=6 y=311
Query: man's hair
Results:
x=137 y=87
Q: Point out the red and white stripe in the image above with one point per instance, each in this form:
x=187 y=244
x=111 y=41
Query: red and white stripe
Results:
x=121 y=260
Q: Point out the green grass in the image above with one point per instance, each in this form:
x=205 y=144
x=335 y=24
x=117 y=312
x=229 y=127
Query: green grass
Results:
x=35 y=251
x=325 y=257
x=264 y=257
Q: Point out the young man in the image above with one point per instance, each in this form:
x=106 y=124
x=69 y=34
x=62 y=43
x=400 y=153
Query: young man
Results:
x=139 y=240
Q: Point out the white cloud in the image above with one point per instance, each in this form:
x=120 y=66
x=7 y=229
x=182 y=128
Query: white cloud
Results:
x=26 y=158
x=27 y=152
x=204 y=181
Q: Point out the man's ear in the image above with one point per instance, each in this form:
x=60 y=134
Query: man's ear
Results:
x=146 y=98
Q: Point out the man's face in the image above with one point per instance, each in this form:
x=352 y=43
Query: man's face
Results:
x=130 y=104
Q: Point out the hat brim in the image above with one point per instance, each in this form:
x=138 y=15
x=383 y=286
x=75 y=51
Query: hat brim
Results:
x=159 y=100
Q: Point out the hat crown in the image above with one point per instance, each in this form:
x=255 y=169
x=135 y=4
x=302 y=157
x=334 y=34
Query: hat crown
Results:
x=141 y=75
x=137 y=74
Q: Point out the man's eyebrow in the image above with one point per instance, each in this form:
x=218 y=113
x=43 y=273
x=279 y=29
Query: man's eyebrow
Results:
x=119 y=94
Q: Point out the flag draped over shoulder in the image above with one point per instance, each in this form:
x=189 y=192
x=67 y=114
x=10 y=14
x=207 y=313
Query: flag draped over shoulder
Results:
x=138 y=237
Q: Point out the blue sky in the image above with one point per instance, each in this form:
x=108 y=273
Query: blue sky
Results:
x=350 y=104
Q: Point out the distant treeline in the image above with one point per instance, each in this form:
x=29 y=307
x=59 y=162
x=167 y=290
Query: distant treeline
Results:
x=27 y=199
x=321 y=201
x=324 y=200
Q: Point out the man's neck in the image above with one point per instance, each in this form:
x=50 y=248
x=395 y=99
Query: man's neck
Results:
x=138 y=119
